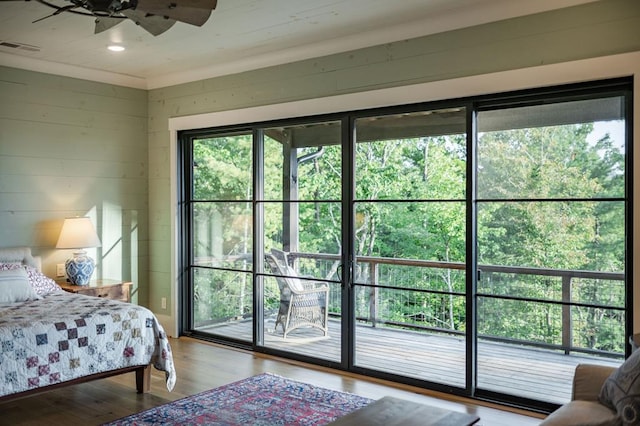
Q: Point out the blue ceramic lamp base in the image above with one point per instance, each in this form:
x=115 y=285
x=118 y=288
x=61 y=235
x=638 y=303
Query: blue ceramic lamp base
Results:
x=79 y=268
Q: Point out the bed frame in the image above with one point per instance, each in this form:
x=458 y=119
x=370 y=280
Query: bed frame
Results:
x=143 y=372
x=143 y=382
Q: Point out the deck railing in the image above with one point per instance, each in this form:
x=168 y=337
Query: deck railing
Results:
x=495 y=283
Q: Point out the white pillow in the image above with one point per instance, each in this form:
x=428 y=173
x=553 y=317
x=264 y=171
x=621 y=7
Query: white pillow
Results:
x=15 y=286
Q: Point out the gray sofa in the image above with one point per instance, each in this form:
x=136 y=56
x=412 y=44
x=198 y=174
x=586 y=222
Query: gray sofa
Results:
x=584 y=408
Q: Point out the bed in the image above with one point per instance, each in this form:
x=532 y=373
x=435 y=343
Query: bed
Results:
x=51 y=338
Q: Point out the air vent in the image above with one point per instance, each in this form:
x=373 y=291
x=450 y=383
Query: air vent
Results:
x=19 y=46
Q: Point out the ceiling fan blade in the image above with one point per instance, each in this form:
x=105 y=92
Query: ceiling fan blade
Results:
x=43 y=18
x=103 y=23
x=197 y=4
x=188 y=15
x=57 y=12
x=194 y=12
x=156 y=25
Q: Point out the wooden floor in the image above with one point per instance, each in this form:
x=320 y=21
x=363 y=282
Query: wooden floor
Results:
x=523 y=371
x=201 y=366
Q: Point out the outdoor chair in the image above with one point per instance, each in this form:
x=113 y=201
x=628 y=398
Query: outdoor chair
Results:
x=303 y=303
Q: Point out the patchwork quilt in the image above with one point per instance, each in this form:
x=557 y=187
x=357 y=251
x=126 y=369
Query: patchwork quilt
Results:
x=64 y=336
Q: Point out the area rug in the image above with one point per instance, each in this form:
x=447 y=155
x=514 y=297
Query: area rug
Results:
x=262 y=400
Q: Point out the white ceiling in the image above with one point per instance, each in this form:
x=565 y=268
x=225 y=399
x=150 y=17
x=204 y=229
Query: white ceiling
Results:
x=240 y=35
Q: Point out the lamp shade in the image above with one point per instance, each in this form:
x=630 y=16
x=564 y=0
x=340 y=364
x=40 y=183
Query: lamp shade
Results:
x=77 y=233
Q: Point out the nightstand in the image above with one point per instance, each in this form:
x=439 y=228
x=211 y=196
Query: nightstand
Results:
x=110 y=289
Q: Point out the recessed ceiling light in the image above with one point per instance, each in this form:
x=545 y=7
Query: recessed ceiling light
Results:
x=115 y=48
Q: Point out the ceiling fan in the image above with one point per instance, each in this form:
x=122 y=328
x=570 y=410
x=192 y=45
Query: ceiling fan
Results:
x=155 y=16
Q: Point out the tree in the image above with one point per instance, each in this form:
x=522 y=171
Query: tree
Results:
x=557 y=165
x=548 y=200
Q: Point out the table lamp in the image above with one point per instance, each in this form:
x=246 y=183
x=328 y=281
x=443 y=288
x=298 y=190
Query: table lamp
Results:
x=78 y=233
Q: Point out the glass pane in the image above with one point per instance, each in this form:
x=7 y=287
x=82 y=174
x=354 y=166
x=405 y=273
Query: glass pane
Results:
x=222 y=168
x=304 y=317
x=412 y=334
x=419 y=155
x=554 y=235
x=519 y=320
x=605 y=289
x=513 y=334
x=316 y=233
x=420 y=230
x=223 y=303
x=223 y=234
x=411 y=274
x=415 y=308
x=598 y=329
x=520 y=282
x=273 y=169
x=303 y=162
x=564 y=150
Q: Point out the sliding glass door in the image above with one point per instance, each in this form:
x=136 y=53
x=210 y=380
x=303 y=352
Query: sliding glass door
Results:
x=220 y=222
x=301 y=239
x=476 y=246
x=409 y=240
x=551 y=242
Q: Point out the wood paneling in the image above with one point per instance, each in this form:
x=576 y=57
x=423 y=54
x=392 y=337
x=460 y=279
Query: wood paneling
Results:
x=72 y=147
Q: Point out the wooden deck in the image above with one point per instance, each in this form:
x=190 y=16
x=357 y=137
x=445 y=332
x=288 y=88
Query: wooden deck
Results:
x=527 y=372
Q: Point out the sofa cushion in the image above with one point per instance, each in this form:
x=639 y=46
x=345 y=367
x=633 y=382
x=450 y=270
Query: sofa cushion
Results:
x=588 y=381
x=582 y=413
x=621 y=390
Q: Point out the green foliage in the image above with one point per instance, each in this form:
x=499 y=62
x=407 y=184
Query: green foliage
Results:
x=536 y=188
x=550 y=163
x=222 y=168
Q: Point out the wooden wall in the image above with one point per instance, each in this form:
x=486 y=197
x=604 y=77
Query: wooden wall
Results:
x=72 y=147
